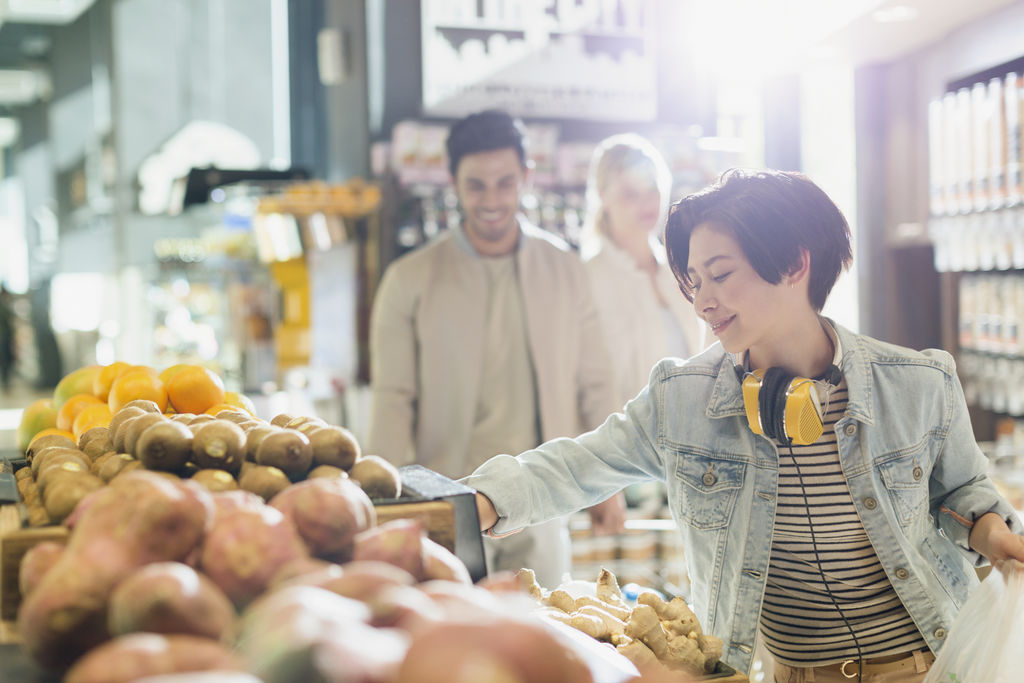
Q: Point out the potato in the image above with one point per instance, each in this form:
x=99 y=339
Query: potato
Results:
x=227 y=502
x=38 y=560
x=497 y=649
x=300 y=633
x=139 y=518
x=245 y=549
x=328 y=513
x=170 y=597
x=361 y=581
x=131 y=657
x=399 y=542
x=441 y=563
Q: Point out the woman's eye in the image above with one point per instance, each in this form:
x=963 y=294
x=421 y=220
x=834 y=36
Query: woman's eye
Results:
x=720 y=278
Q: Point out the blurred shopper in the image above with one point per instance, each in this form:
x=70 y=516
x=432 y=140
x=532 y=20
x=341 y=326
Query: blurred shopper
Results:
x=827 y=486
x=7 y=350
x=637 y=297
x=486 y=340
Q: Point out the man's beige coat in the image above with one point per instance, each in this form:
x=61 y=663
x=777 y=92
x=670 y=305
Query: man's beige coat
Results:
x=427 y=350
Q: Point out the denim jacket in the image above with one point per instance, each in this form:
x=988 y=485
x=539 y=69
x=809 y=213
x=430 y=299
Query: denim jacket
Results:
x=906 y=446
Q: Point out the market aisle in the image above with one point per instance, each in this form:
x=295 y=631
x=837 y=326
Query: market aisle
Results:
x=11 y=405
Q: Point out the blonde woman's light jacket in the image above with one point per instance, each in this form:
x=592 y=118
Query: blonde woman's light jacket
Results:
x=906 y=447
x=632 y=316
x=427 y=349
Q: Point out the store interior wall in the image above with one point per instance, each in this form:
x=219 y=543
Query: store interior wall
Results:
x=900 y=297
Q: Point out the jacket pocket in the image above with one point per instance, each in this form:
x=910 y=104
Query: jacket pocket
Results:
x=907 y=483
x=706 y=489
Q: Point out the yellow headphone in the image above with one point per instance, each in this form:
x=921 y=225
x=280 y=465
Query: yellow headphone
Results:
x=783 y=406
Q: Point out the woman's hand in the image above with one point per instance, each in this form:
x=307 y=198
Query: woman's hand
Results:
x=991 y=537
x=609 y=517
x=486 y=512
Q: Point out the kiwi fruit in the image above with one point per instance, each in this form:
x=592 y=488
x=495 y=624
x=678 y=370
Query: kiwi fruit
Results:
x=119 y=418
x=56 y=470
x=377 y=477
x=63 y=495
x=166 y=446
x=30 y=495
x=135 y=465
x=144 y=404
x=288 y=450
x=98 y=462
x=113 y=465
x=95 y=442
x=215 y=480
x=281 y=419
x=37 y=515
x=48 y=441
x=266 y=482
x=56 y=452
x=198 y=420
x=237 y=416
x=327 y=472
x=334 y=446
x=25 y=485
x=133 y=429
x=297 y=422
x=218 y=444
x=254 y=437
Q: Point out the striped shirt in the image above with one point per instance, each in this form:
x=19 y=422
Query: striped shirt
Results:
x=799 y=617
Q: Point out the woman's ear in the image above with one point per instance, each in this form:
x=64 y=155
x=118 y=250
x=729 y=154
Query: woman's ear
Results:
x=802 y=271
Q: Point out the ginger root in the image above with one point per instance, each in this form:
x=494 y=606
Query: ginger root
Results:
x=559 y=599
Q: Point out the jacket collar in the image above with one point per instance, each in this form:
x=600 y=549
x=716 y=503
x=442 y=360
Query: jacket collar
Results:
x=727 y=399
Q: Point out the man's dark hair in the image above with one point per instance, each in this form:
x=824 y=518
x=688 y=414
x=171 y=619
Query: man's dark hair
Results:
x=483 y=132
x=772 y=215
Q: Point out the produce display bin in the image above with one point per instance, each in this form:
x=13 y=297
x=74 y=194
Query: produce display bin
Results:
x=446 y=508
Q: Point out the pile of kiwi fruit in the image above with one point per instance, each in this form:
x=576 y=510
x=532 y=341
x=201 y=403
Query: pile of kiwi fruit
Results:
x=232 y=450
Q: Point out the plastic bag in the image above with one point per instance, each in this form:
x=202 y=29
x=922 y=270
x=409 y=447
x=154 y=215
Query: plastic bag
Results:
x=986 y=642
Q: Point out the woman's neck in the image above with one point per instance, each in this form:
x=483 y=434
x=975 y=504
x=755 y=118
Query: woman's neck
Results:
x=805 y=349
x=639 y=249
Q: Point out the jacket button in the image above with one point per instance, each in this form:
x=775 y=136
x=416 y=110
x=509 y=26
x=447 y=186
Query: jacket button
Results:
x=902 y=573
x=939 y=633
x=850 y=429
x=870 y=503
x=918 y=472
x=709 y=479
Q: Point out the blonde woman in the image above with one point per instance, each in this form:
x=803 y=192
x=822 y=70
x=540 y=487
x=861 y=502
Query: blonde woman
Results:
x=636 y=294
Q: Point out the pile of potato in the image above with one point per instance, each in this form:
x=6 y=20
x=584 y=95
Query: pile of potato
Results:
x=161 y=575
x=232 y=450
x=650 y=634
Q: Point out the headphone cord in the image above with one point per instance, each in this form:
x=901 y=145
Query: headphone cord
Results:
x=821 y=570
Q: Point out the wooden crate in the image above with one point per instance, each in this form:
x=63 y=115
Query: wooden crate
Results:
x=436 y=501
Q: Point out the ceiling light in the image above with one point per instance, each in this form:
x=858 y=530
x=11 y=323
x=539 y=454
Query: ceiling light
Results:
x=894 y=14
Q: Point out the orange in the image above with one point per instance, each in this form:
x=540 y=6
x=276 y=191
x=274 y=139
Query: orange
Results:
x=167 y=373
x=105 y=377
x=75 y=382
x=143 y=368
x=233 y=398
x=97 y=415
x=137 y=384
x=194 y=389
x=71 y=408
x=218 y=407
x=51 y=430
x=37 y=417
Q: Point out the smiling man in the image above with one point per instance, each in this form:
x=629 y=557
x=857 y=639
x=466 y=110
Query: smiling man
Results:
x=486 y=341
